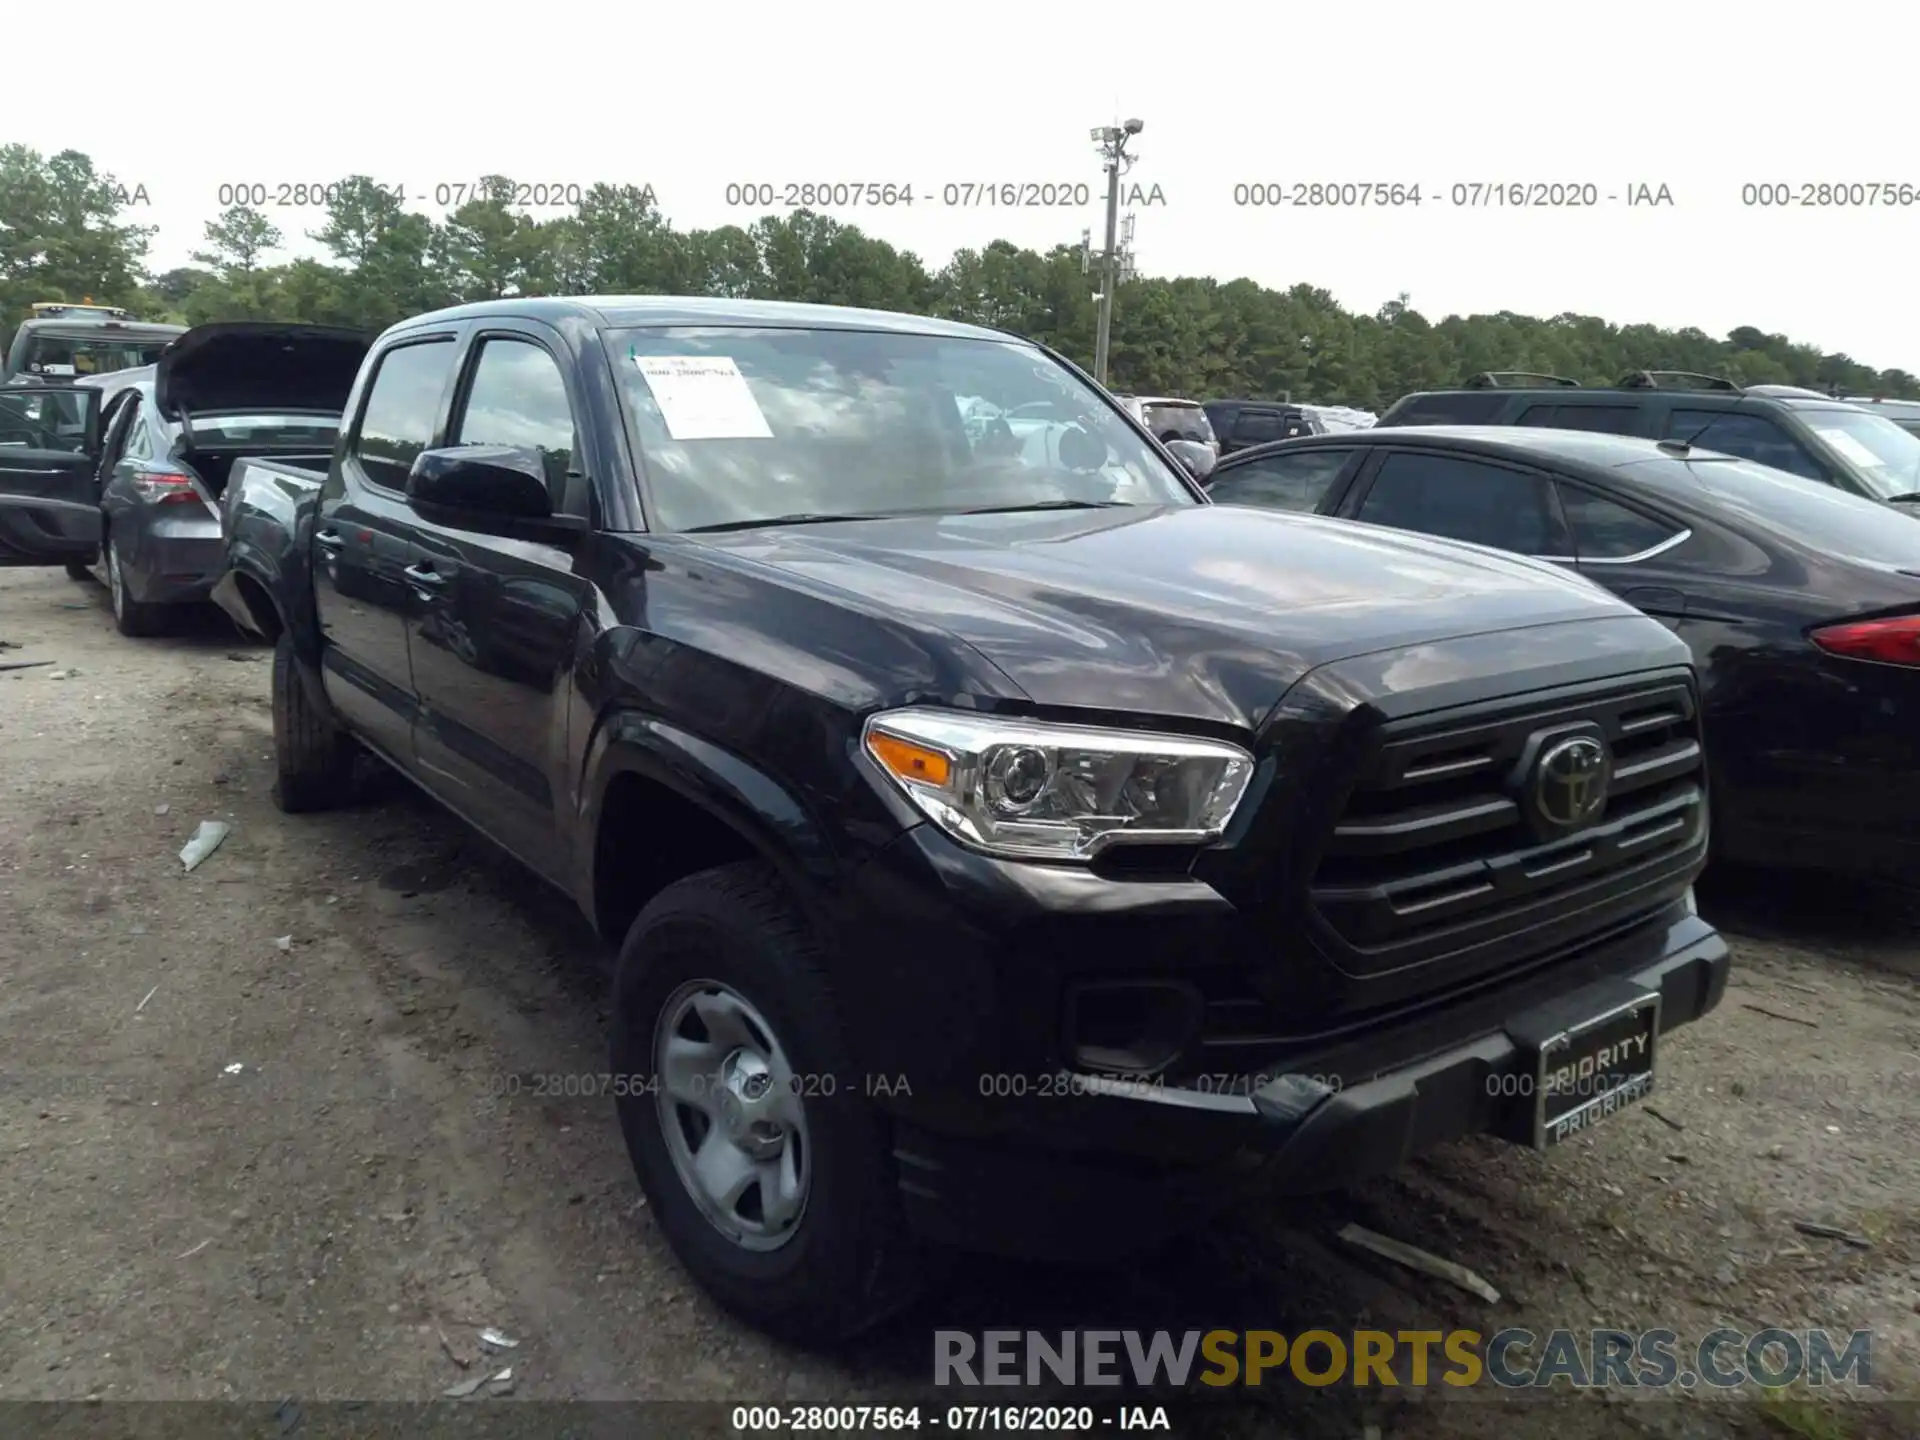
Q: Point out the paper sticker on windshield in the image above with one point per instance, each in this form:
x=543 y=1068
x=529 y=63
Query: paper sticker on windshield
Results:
x=56 y=369
x=1851 y=448
x=703 y=397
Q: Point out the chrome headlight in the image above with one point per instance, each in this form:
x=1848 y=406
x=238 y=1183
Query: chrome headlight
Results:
x=1034 y=789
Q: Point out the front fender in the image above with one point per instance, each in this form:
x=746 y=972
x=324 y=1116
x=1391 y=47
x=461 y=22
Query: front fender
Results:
x=763 y=811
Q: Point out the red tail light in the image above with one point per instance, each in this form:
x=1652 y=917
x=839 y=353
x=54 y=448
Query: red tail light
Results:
x=1894 y=641
x=166 y=487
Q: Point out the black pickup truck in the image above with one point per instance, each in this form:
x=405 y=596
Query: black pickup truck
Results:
x=1003 y=843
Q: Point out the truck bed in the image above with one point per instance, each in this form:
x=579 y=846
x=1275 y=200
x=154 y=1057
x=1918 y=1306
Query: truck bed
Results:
x=260 y=519
x=263 y=498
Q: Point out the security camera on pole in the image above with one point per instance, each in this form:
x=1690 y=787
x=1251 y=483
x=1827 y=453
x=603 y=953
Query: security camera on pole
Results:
x=1112 y=140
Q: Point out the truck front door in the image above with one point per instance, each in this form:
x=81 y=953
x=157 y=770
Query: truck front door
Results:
x=492 y=635
x=363 y=542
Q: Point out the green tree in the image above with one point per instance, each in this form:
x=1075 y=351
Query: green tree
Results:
x=487 y=250
x=618 y=243
x=387 y=253
x=241 y=288
x=61 y=237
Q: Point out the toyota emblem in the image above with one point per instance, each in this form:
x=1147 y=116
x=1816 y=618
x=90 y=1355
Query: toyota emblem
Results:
x=1570 y=781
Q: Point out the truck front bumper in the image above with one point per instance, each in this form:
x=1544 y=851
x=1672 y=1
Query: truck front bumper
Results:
x=994 y=1152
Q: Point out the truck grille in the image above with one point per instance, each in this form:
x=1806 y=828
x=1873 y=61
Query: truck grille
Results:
x=1440 y=847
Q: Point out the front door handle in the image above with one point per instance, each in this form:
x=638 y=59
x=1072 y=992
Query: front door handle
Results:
x=424 y=576
x=329 y=540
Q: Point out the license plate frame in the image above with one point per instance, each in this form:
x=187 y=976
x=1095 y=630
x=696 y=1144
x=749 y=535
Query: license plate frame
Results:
x=1594 y=1068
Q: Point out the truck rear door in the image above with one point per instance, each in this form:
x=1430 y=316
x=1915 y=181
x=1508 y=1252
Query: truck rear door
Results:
x=49 y=453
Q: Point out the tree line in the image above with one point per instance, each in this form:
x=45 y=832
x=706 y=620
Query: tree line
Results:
x=65 y=234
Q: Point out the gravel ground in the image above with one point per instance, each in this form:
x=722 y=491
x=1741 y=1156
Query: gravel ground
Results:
x=236 y=1165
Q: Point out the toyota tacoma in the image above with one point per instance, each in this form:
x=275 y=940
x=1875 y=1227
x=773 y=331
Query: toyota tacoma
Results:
x=1005 y=847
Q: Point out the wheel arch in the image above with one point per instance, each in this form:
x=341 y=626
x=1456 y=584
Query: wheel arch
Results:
x=643 y=776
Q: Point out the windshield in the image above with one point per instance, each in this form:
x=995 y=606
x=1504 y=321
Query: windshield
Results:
x=1886 y=456
x=210 y=431
x=738 y=426
x=60 y=357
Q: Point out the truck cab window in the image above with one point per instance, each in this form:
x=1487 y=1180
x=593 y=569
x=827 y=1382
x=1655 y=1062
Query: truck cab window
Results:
x=402 y=409
x=518 y=397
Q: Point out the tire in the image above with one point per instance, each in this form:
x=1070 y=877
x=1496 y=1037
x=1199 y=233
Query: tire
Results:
x=81 y=569
x=845 y=1262
x=130 y=616
x=312 y=756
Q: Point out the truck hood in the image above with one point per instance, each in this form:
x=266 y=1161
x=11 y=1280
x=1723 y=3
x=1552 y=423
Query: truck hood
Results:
x=1204 y=612
x=264 y=366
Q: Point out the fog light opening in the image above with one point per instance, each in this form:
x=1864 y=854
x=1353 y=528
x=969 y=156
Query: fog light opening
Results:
x=1131 y=1027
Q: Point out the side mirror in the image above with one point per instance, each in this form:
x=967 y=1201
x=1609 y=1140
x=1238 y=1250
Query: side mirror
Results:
x=1195 y=458
x=500 y=482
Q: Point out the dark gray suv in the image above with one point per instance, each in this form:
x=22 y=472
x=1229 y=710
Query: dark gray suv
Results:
x=1833 y=441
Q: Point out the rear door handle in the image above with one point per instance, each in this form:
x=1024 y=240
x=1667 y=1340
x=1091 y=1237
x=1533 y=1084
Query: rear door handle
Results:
x=424 y=576
x=329 y=540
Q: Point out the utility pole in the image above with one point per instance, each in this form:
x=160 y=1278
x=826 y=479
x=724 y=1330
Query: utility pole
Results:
x=1112 y=141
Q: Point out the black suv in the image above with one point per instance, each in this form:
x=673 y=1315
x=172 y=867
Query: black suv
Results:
x=1240 y=423
x=1800 y=432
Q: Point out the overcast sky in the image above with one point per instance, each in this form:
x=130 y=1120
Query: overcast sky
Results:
x=1702 y=99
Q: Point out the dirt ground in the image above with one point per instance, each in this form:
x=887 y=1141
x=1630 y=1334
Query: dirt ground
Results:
x=235 y=1165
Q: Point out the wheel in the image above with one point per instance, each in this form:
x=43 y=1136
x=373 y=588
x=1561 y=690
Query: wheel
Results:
x=765 y=1165
x=130 y=616
x=312 y=756
x=81 y=569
